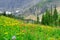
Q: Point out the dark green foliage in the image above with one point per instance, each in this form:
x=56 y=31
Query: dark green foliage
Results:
x=55 y=15
x=43 y=20
x=50 y=18
x=59 y=22
x=46 y=18
x=10 y=15
x=37 y=19
x=4 y=13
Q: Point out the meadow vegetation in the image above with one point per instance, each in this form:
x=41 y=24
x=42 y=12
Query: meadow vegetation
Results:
x=10 y=27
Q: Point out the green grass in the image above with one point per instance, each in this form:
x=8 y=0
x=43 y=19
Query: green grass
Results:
x=10 y=27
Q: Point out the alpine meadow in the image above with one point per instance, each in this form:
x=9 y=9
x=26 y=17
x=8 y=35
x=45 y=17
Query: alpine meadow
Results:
x=29 y=19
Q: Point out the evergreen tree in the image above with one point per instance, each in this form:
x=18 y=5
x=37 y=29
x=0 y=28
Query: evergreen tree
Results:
x=37 y=18
x=55 y=15
x=46 y=18
x=51 y=16
x=43 y=20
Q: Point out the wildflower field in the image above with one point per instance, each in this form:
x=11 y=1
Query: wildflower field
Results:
x=10 y=27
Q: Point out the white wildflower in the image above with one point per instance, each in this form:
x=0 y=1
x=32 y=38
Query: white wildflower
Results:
x=13 y=37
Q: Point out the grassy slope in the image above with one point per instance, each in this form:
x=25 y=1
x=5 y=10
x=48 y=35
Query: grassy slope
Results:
x=10 y=27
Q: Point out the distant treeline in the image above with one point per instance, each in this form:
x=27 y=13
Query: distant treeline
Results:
x=51 y=17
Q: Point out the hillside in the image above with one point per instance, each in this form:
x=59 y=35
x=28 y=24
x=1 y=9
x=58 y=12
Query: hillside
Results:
x=10 y=27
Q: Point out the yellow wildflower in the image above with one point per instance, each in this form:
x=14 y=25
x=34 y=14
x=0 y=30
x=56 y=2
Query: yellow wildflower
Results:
x=6 y=33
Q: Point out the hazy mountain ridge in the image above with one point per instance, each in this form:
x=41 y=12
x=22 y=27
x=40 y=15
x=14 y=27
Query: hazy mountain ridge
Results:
x=13 y=4
x=26 y=6
x=42 y=7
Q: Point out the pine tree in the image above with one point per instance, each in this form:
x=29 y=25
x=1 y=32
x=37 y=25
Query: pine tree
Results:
x=37 y=18
x=55 y=16
x=46 y=18
x=43 y=19
x=51 y=16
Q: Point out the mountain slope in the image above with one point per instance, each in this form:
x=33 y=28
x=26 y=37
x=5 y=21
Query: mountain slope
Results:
x=10 y=28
